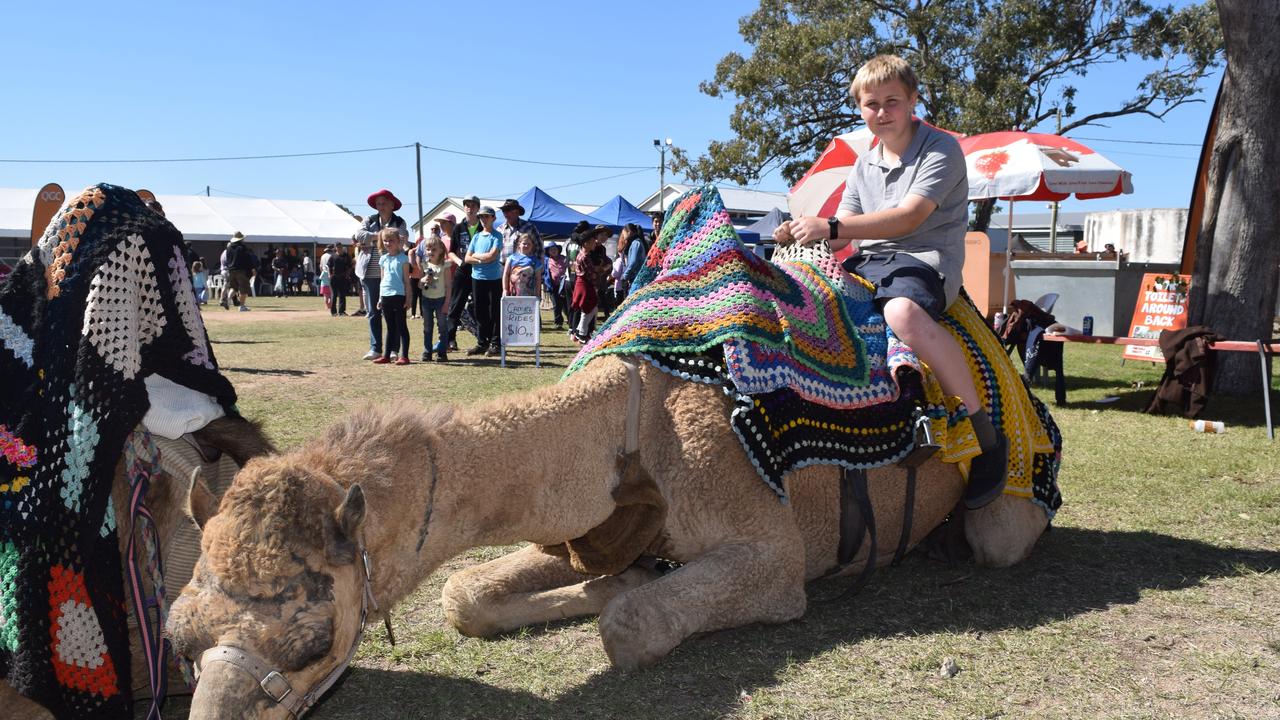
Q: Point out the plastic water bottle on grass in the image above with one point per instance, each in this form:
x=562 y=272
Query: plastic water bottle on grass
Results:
x=1208 y=426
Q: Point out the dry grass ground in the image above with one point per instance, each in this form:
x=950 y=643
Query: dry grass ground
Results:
x=1155 y=595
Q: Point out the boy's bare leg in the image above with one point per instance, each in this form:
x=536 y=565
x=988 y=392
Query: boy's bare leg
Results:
x=940 y=351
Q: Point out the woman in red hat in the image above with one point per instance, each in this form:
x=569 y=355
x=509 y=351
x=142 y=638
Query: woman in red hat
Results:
x=367 y=268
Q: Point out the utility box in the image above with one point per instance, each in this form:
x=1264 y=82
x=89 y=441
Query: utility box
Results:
x=1104 y=289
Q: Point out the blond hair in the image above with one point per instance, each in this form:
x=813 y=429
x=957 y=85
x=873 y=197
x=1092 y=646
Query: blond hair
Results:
x=434 y=243
x=533 y=240
x=384 y=235
x=880 y=70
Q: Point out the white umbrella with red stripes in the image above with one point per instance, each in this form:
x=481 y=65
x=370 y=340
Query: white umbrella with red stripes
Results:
x=1015 y=165
x=817 y=194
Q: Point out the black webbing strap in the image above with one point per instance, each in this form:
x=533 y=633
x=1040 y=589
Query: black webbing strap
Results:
x=856 y=520
x=908 y=514
x=853 y=518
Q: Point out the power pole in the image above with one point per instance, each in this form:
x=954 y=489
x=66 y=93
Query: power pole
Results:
x=1053 y=211
x=418 y=149
x=662 y=172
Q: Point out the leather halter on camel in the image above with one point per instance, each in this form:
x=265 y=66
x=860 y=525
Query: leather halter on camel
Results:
x=273 y=683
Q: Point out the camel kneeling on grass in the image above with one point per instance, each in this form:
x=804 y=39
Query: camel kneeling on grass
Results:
x=280 y=595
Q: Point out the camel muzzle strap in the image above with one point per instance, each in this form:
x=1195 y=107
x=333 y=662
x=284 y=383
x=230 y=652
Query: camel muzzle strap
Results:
x=272 y=682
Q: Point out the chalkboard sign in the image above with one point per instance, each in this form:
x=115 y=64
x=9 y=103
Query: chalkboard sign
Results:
x=519 y=322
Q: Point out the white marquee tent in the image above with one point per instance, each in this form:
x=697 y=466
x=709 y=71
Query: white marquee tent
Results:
x=203 y=218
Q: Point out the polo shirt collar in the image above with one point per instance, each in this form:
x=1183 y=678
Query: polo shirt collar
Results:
x=917 y=142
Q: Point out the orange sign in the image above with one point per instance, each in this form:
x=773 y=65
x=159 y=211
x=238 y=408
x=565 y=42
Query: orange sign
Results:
x=1162 y=305
x=49 y=200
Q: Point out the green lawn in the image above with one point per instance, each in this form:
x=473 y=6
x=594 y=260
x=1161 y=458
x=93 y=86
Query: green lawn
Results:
x=1155 y=595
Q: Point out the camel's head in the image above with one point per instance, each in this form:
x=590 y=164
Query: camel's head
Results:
x=279 y=585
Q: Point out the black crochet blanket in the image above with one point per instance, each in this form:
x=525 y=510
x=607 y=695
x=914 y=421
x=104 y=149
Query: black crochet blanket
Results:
x=102 y=301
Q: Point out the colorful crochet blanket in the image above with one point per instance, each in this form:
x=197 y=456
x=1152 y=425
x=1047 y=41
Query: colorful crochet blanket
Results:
x=102 y=301
x=815 y=375
x=700 y=289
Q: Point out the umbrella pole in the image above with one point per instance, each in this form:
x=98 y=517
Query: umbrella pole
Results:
x=1008 y=257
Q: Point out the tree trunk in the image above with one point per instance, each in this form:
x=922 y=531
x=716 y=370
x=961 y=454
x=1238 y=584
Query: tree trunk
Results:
x=1238 y=250
x=982 y=210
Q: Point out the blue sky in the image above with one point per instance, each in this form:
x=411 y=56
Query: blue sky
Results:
x=572 y=82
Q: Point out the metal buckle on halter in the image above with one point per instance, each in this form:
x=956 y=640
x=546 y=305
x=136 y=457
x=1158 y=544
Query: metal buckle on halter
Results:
x=276 y=686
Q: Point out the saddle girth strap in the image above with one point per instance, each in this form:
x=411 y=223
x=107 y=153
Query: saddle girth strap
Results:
x=853 y=520
x=857 y=519
x=631 y=441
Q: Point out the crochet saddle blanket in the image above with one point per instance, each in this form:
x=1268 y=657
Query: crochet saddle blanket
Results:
x=814 y=373
x=101 y=302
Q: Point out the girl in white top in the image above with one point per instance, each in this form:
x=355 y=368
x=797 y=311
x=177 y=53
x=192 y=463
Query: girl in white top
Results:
x=436 y=282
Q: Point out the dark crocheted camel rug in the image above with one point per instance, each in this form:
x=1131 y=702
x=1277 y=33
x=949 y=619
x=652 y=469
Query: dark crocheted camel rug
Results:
x=103 y=300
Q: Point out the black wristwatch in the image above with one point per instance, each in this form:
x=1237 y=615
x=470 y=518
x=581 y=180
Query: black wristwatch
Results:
x=834 y=224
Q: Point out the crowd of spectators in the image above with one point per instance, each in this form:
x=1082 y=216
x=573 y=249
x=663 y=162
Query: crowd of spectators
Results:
x=452 y=277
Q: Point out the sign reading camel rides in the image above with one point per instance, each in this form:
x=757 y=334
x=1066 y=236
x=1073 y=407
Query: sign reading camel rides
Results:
x=1162 y=305
x=520 y=325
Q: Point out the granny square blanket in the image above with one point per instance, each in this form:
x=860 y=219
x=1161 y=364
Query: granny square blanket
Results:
x=102 y=301
x=814 y=372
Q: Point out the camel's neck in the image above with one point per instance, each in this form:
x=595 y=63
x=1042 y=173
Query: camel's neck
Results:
x=536 y=467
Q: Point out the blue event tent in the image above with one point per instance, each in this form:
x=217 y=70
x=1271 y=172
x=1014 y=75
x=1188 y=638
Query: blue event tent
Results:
x=551 y=216
x=619 y=212
x=767 y=224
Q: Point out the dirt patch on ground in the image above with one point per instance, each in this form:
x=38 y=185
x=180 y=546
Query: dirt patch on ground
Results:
x=215 y=315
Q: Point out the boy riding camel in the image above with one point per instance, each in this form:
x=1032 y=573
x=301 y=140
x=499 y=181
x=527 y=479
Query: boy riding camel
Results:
x=905 y=207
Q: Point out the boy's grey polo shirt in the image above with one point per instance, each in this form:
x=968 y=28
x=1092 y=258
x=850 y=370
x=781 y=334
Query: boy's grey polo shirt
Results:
x=933 y=167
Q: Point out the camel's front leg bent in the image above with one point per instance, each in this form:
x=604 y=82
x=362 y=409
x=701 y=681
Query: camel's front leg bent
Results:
x=528 y=587
x=731 y=585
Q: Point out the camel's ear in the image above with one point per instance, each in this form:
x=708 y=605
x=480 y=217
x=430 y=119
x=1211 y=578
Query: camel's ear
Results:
x=201 y=502
x=347 y=520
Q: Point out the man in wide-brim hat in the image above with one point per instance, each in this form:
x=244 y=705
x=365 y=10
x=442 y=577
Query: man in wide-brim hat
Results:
x=241 y=264
x=597 y=231
x=515 y=227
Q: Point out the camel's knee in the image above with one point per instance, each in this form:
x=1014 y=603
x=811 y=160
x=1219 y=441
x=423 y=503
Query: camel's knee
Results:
x=1003 y=533
x=637 y=634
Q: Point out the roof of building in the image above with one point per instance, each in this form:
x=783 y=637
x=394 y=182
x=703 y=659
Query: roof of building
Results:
x=216 y=218
x=738 y=200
